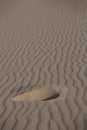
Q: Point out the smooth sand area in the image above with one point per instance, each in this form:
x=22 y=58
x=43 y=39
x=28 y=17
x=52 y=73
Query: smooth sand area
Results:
x=44 y=94
x=36 y=95
x=43 y=64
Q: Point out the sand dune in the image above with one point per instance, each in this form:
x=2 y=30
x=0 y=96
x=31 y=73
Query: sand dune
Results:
x=43 y=52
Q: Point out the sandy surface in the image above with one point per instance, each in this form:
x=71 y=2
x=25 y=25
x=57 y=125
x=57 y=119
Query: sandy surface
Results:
x=43 y=45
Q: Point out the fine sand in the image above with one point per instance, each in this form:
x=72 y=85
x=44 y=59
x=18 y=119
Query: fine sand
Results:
x=43 y=94
x=43 y=65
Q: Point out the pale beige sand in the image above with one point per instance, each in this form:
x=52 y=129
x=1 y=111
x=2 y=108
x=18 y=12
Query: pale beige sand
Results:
x=44 y=94
x=36 y=95
x=43 y=44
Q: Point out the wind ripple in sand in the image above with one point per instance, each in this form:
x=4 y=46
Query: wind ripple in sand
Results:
x=43 y=43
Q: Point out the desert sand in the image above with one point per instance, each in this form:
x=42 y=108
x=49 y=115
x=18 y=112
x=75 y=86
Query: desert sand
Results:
x=43 y=65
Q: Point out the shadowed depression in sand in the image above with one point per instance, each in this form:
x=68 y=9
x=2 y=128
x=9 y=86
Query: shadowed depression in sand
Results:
x=44 y=94
x=38 y=95
x=43 y=64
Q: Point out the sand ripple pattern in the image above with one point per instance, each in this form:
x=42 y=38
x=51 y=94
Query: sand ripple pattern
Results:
x=43 y=44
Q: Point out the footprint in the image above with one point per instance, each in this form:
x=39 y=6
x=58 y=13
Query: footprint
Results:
x=38 y=95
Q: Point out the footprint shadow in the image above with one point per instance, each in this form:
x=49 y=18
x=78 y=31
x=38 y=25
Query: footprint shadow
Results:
x=55 y=96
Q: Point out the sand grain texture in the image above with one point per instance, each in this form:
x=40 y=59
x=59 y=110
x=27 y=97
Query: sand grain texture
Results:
x=43 y=44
